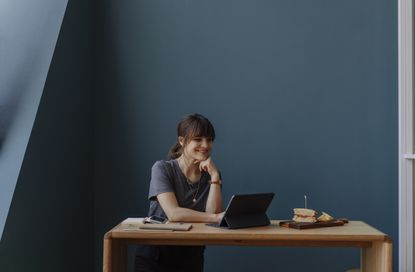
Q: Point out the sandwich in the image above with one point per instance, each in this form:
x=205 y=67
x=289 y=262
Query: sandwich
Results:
x=325 y=217
x=304 y=215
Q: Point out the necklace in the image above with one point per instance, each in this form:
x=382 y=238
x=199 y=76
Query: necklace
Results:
x=194 y=194
x=192 y=190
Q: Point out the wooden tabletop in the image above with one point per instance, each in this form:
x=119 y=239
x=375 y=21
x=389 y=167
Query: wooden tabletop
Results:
x=352 y=234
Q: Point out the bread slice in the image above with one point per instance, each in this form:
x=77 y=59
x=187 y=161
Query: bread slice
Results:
x=304 y=212
x=304 y=219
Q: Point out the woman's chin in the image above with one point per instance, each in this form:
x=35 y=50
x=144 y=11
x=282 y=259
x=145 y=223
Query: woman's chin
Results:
x=201 y=157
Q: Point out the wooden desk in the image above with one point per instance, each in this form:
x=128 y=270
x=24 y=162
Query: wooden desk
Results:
x=376 y=247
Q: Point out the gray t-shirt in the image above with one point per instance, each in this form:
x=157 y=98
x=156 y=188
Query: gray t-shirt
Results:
x=166 y=176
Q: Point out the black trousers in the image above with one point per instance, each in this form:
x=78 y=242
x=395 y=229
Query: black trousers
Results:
x=169 y=259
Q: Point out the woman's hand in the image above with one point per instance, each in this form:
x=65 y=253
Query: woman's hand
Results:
x=208 y=166
x=219 y=217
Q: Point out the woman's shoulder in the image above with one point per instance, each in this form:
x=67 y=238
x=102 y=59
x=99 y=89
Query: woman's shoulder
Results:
x=164 y=168
x=162 y=164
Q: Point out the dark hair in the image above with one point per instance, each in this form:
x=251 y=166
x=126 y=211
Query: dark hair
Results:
x=191 y=126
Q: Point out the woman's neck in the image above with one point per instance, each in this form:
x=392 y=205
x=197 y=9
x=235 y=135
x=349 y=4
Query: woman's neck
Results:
x=189 y=168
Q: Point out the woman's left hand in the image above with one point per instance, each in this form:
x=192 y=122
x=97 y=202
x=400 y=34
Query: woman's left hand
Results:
x=208 y=166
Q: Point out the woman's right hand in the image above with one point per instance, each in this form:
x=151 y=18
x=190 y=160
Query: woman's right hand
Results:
x=219 y=217
x=208 y=166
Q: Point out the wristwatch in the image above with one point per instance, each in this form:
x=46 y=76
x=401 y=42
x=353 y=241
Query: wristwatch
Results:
x=215 y=181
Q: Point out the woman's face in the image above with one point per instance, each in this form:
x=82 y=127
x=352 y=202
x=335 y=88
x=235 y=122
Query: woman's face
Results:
x=199 y=148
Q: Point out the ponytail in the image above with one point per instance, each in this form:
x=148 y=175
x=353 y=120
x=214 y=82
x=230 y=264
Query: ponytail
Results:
x=175 y=151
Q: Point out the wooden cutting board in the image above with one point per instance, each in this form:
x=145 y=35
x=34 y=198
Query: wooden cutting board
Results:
x=302 y=225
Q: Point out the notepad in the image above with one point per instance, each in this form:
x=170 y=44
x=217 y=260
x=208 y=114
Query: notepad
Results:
x=138 y=223
x=167 y=226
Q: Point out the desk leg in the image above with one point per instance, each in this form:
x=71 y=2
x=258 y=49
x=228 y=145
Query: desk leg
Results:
x=115 y=255
x=377 y=258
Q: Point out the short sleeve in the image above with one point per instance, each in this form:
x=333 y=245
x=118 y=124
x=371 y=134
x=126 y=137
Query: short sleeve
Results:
x=160 y=181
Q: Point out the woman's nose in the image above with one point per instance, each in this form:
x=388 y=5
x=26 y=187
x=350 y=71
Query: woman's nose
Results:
x=204 y=143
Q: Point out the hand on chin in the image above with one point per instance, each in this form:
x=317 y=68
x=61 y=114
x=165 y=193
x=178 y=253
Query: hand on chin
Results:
x=199 y=159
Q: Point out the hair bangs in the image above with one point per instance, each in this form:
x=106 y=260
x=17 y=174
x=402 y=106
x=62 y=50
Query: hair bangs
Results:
x=200 y=127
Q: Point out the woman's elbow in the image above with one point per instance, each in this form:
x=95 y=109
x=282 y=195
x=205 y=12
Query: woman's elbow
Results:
x=174 y=215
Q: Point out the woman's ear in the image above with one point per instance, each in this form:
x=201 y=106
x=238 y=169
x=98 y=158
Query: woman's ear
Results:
x=181 y=140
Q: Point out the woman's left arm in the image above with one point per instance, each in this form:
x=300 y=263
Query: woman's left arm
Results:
x=214 y=202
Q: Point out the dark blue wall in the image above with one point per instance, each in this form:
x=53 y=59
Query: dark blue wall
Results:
x=303 y=95
x=50 y=222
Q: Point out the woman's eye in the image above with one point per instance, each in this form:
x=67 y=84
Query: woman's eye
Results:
x=201 y=139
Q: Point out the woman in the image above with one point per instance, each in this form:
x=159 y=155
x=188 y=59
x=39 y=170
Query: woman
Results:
x=186 y=188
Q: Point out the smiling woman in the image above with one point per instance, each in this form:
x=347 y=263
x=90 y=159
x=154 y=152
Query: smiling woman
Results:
x=185 y=188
